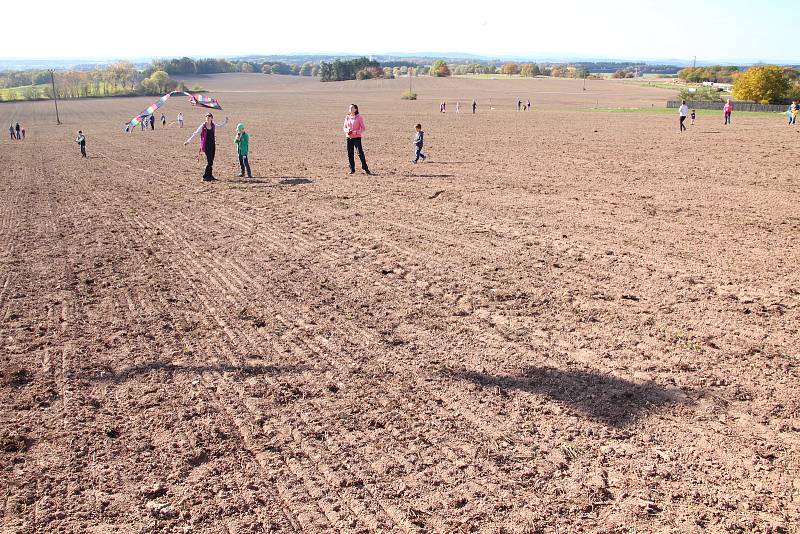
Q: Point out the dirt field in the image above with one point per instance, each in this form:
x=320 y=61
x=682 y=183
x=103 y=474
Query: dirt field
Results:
x=564 y=321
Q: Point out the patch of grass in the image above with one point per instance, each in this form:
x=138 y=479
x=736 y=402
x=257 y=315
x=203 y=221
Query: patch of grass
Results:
x=23 y=92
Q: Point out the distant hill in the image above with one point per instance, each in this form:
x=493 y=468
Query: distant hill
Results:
x=389 y=58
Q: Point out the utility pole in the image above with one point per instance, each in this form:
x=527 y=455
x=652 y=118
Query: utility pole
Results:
x=410 y=72
x=55 y=96
x=694 y=62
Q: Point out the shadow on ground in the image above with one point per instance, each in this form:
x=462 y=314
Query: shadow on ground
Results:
x=254 y=180
x=170 y=369
x=295 y=180
x=607 y=399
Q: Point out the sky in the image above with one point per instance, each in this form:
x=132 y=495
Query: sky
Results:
x=712 y=30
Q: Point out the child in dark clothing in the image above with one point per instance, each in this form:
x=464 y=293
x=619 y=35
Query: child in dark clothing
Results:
x=418 y=142
x=81 y=140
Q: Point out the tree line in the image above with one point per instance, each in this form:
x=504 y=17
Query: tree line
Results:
x=761 y=83
x=714 y=73
x=765 y=84
x=118 y=79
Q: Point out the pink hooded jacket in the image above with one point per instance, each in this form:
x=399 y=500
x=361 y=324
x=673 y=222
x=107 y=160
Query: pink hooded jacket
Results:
x=354 y=124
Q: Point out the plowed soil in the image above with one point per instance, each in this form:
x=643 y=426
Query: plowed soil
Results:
x=563 y=321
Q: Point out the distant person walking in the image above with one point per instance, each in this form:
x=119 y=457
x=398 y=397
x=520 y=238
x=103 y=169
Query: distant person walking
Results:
x=419 y=140
x=163 y=120
x=474 y=106
x=144 y=121
x=683 y=112
x=694 y=116
x=81 y=140
x=18 y=134
x=458 y=107
x=529 y=104
x=354 y=128
x=22 y=130
x=243 y=149
x=11 y=131
x=728 y=111
x=519 y=104
x=152 y=122
x=442 y=107
x=208 y=145
x=180 y=120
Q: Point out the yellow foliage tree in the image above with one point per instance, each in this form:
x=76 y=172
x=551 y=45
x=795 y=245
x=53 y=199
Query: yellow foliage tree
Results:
x=763 y=83
x=160 y=79
x=529 y=70
x=509 y=68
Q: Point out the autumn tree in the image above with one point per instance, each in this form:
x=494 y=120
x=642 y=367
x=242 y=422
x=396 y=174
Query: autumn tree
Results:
x=509 y=69
x=763 y=83
x=440 y=69
x=160 y=80
x=529 y=70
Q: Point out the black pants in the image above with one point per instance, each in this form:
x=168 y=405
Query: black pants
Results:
x=83 y=150
x=352 y=144
x=244 y=163
x=210 y=151
x=683 y=126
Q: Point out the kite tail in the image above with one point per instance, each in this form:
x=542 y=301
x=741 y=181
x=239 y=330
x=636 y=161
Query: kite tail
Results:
x=195 y=100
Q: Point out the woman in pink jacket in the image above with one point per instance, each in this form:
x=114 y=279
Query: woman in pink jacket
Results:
x=728 y=109
x=353 y=128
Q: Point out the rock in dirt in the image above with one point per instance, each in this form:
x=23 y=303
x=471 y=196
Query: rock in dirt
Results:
x=160 y=509
x=156 y=490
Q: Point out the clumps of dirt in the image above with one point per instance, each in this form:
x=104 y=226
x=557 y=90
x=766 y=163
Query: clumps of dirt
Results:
x=16 y=377
x=12 y=441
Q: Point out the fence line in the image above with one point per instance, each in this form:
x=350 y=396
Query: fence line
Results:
x=737 y=106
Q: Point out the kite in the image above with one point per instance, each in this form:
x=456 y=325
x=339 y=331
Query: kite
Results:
x=194 y=99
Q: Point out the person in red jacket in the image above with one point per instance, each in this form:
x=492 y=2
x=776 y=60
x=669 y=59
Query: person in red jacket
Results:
x=354 y=128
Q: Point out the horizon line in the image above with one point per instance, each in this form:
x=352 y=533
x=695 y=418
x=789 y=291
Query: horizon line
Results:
x=566 y=57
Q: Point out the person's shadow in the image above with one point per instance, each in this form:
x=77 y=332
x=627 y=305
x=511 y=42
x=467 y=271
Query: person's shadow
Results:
x=295 y=180
x=607 y=399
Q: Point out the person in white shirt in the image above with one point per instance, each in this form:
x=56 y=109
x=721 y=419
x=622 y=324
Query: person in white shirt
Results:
x=180 y=120
x=683 y=112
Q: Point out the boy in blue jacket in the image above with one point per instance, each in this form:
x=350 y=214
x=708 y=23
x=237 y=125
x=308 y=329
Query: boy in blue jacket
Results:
x=418 y=142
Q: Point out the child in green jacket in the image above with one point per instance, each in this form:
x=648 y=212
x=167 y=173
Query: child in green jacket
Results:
x=243 y=147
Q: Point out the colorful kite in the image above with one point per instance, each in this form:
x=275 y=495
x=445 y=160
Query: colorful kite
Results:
x=196 y=100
